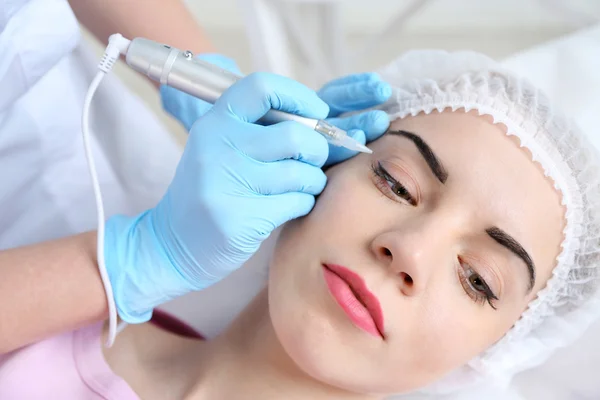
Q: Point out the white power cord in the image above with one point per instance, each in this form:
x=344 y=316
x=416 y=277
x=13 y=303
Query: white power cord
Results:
x=117 y=45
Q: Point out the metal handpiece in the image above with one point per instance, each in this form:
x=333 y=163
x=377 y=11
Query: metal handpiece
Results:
x=172 y=67
x=206 y=81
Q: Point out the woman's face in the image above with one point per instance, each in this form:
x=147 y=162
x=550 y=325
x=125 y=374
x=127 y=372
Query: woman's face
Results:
x=452 y=229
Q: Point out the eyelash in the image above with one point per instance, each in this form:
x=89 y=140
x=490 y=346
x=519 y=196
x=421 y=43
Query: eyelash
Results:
x=390 y=185
x=479 y=296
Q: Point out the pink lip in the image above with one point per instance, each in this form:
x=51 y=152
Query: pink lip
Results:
x=353 y=296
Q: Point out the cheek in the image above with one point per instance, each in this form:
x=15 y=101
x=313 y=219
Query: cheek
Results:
x=327 y=226
x=348 y=203
x=340 y=210
x=443 y=331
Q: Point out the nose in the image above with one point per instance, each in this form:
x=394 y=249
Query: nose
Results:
x=409 y=257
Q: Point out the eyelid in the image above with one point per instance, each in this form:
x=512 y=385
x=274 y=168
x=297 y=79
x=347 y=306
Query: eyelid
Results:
x=486 y=271
x=403 y=175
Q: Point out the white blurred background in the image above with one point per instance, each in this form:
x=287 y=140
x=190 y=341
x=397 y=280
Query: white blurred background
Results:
x=496 y=27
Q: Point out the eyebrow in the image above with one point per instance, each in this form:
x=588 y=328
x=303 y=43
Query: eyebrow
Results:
x=500 y=236
x=430 y=158
x=511 y=244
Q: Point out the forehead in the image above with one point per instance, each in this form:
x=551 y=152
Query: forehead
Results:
x=490 y=176
x=472 y=146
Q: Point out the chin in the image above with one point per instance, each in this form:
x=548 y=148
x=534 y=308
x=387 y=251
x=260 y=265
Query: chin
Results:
x=335 y=356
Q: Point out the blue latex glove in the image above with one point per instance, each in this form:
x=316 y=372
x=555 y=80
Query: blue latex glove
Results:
x=236 y=182
x=185 y=108
x=353 y=93
x=350 y=93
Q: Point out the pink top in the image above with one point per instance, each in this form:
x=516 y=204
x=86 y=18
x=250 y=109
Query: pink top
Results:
x=71 y=366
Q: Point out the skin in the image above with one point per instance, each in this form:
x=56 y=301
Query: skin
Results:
x=51 y=287
x=295 y=339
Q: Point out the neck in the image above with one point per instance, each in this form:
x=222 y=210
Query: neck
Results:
x=248 y=362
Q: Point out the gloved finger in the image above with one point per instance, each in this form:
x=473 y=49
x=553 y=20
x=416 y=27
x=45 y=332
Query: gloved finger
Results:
x=287 y=176
x=374 y=123
x=285 y=140
x=186 y=108
x=338 y=154
x=288 y=206
x=355 y=94
x=251 y=97
x=183 y=107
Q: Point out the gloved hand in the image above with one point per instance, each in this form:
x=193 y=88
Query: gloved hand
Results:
x=236 y=182
x=350 y=93
x=353 y=93
x=186 y=108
